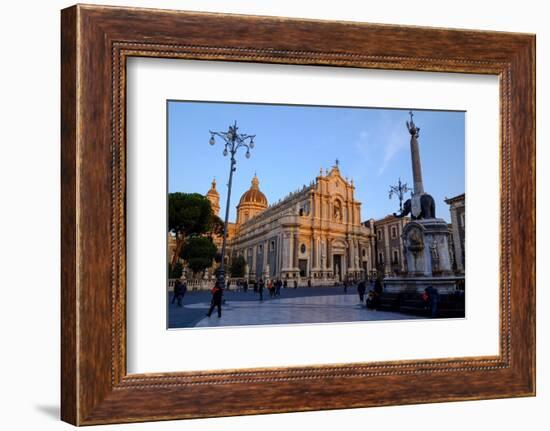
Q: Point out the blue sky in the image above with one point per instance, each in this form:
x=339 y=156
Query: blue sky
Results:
x=294 y=142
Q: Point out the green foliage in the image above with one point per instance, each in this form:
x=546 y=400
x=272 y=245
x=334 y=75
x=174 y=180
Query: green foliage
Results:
x=189 y=213
x=238 y=265
x=216 y=226
x=199 y=251
x=175 y=271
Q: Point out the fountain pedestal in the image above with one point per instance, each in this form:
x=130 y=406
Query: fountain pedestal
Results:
x=428 y=261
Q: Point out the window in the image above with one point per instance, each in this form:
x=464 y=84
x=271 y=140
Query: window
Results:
x=395 y=257
x=303 y=248
x=393 y=232
x=379 y=234
x=364 y=252
x=462 y=221
x=380 y=258
x=260 y=248
x=271 y=245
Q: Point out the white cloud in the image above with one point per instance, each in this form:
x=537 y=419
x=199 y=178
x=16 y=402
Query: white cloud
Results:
x=395 y=140
x=362 y=143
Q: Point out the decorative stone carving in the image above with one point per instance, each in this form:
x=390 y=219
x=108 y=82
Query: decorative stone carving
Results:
x=414 y=240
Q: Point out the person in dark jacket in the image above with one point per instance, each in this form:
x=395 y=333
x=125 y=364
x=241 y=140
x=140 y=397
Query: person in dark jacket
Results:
x=361 y=289
x=178 y=292
x=217 y=295
x=433 y=300
x=278 y=285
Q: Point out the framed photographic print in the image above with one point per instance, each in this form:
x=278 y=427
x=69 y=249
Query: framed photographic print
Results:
x=319 y=214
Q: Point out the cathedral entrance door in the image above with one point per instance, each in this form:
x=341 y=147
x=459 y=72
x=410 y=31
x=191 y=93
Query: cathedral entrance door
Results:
x=337 y=266
x=302 y=266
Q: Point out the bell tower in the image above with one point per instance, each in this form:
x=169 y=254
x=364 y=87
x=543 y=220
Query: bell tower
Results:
x=214 y=198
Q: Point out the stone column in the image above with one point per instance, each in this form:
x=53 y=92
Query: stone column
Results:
x=350 y=254
x=313 y=254
x=285 y=251
x=254 y=261
x=279 y=254
x=417 y=168
x=329 y=257
x=295 y=254
x=266 y=251
x=356 y=256
x=415 y=157
x=456 y=240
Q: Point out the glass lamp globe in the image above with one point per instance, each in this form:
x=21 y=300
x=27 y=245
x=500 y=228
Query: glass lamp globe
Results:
x=252 y=144
x=247 y=154
x=225 y=152
x=212 y=141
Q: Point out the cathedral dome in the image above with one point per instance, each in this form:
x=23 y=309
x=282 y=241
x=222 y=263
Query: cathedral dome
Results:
x=253 y=194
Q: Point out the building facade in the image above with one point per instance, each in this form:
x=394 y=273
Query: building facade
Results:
x=389 y=257
x=457 y=207
x=314 y=233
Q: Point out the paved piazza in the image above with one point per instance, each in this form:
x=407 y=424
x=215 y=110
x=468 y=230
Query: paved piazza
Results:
x=302 y=305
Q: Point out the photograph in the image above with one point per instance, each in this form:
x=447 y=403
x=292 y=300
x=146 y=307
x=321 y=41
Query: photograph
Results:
x=281 y=214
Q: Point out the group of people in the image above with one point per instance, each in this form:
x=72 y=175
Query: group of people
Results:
x=273 y=287
x=368 y=289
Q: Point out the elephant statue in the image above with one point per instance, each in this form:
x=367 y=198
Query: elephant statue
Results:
x=427 y=208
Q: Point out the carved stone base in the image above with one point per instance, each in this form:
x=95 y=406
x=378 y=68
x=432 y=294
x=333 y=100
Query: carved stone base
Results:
x=444 y=285
x=426 y=244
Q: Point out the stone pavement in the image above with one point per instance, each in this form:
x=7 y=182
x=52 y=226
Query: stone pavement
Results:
x=302 y=305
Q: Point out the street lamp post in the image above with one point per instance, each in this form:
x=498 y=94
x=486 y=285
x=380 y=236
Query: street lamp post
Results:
x=399 y=190
x=233 y=141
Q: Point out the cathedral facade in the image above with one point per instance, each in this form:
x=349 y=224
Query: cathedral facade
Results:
x=314 y=233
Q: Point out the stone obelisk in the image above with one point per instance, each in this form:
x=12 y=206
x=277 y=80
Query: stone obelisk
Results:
x=415 y=157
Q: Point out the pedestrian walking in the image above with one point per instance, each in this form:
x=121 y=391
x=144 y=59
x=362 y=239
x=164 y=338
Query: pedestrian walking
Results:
x=216 y=301
x=346 y=285
x=271 y=288
x=377 y=291
x=278 y=285
x=261 y=289
x=361 y=289
x=245 y=286
x=295 y=284
x=285 y=284
x=177 y=292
